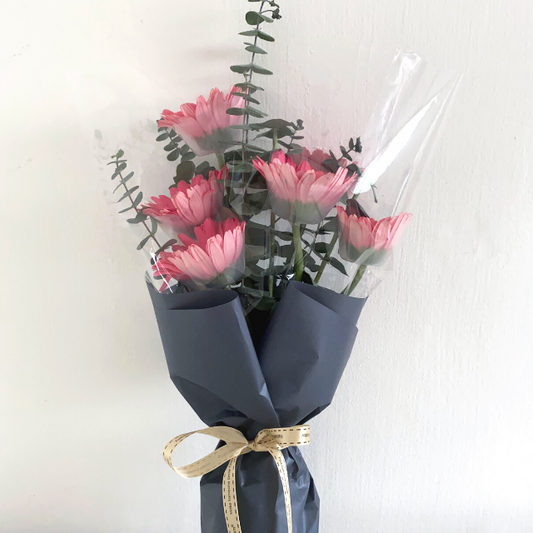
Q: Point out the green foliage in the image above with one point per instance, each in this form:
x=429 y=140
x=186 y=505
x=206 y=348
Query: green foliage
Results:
x=258 y=34
x=271 y=253
x=254 y=18
x=127 y=194
x=354 y=147
x=184 y=172
x=254 y=49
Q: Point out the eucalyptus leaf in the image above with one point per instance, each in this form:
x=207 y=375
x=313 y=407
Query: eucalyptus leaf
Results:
x=286 y=251
x=243 y=167
x=252 y=111
x=173 y=156
x=124 y=180
x=254 y=49
x=142 y=244
x=321 y=247
x=118 y=170
x=237 y=111
x=241 y=69
x=260 y=70
x=283 y=235
x=275 y=123
x=168 y=244
x=140 y=217
x=138 y=200
x=253 y=147
x=162 y=137
x=330 y=226
x=253 y=18
x=204 y=166
x=127 y=193
x=185 y=171
x=335 y=263
x=258 y=33
x=247 y=98
x=281 y=133
x=248 y=86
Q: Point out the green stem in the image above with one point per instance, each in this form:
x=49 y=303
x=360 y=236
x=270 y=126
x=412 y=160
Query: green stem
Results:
x=326 y=257
x=137 y=210
x=298 y=252
x=221 y=160
x=248 y=77
x=272 y=241
x=355 y=281
x=272 y=254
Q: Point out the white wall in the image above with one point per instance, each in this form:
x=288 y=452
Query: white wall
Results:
x=432 y=428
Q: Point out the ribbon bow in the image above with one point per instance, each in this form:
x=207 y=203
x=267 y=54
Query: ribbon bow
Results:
x=267 y=440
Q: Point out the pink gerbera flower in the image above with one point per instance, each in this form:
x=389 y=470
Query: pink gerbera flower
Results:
x=214 y=260
x=189 y=204
x=300 y=193
x=205 y=126
x=365 y=240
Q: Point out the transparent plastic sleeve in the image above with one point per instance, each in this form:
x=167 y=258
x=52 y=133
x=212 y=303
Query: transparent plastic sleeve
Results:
x=222 y=202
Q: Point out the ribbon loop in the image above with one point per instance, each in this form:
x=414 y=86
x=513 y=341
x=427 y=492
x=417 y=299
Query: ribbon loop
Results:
x=272 y=441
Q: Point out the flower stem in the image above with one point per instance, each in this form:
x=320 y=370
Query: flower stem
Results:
x=221 y=161
x=274 y=139
x=272 y=254
x=298 y=257
x=356 y=279
x=326 y=257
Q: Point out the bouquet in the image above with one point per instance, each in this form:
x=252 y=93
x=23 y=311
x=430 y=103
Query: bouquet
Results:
x=262 y=253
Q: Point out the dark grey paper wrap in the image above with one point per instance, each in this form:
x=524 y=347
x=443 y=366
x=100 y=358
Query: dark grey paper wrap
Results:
x=287 y=378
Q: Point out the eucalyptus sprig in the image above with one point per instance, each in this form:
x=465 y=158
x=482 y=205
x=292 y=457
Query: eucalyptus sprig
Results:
x=268 y=12
x=135 y=203
x=186 y=168
x=354 y=147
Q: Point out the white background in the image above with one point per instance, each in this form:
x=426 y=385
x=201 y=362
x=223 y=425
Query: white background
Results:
x=432 y=427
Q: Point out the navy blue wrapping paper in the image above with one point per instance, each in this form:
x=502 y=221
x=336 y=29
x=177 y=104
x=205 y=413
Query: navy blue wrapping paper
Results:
x=285 y=379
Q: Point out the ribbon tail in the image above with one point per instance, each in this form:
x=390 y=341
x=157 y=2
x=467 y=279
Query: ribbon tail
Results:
x=229 y=498
x=279 y=459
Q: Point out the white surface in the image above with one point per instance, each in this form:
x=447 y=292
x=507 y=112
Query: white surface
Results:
x=432 y=427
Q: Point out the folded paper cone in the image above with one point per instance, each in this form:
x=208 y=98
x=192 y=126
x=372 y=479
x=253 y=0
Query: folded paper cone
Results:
x=293 y=377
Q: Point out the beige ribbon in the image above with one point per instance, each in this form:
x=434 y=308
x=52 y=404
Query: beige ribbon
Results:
x=267 y=440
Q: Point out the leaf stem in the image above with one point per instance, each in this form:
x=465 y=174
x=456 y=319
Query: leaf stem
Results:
x=137 y=210
x=272 y=229
x=356 y=279
x=272 y=254
x=298 y=252
x=248 y=79
x=326 y=257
